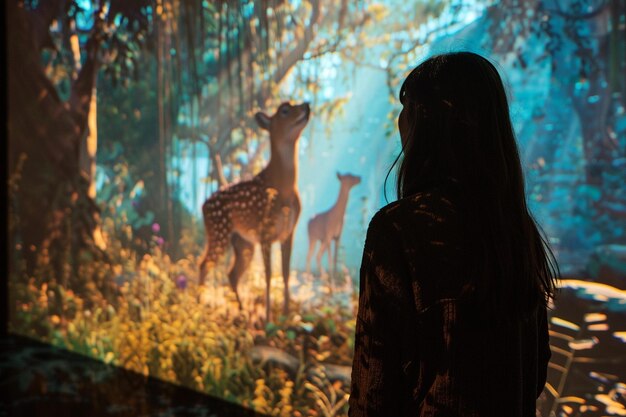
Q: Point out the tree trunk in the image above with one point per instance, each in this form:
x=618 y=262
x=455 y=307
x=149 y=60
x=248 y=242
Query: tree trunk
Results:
x=52 y=207
x=87 y=160
x=88 y=147
x=89 y=144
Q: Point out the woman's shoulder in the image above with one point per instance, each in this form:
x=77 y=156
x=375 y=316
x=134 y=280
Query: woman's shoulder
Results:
x=429 y=207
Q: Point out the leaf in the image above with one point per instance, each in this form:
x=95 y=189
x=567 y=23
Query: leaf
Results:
x=378 y=11
x=331 y=325
x=271 y=329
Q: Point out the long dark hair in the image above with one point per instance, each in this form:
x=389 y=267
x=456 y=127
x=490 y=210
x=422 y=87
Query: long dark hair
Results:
x=459 y=127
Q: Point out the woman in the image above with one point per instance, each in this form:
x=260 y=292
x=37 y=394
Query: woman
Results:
x=455 y=277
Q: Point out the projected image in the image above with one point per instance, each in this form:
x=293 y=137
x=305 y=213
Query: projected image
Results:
x=191 y=181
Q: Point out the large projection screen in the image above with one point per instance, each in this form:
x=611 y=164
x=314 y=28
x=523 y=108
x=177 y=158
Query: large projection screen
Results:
x=125 y=117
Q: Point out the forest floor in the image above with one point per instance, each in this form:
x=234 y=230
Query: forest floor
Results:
x=150 y=317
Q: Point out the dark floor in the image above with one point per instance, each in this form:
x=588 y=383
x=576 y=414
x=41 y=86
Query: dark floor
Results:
x=41 y=380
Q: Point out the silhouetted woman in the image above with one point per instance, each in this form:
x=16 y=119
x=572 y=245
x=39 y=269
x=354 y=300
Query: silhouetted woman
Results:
x=455 y=277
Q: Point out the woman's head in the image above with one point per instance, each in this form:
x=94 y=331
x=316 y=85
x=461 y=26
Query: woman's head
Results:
x=455 y=123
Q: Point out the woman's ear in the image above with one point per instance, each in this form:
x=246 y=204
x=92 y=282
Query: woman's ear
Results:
x=263 y=120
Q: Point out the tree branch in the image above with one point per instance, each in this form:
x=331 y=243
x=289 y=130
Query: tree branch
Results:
x=219 y=170
x=416 y=44
x=40 y=20
x=288 y=59
x=82 y=87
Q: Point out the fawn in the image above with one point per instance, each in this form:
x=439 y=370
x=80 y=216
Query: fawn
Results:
x=327 y=226
x=264 y=209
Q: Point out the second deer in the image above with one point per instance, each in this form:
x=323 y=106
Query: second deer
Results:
x=326 y=227
x=262 y=210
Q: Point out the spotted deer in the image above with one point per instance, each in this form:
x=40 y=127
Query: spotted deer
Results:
x=263 y=210
x=326 y=227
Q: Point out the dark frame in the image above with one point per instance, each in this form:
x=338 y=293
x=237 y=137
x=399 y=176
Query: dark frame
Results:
x=4 y=248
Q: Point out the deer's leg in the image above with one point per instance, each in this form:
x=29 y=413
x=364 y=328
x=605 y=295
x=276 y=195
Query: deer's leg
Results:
x=217 y=228
x=309 y=254
x=212 y=252
x=336 y=255
x=320 y=253
x=330 y=257
x=285 y=250
x=330 y=265
x=207 y=265
x=204 y=265
x=318 y=257
x=243 y=251
x=266 y=249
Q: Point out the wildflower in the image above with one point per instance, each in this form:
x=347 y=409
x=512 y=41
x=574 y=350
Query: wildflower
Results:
x=181 y=281
x=156 y=228
x=160 y=241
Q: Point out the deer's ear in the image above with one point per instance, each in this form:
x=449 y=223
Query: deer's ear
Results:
x=338 y=175
x=263 y=120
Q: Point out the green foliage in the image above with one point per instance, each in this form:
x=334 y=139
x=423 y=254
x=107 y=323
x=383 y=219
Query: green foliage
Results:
x=128 y=120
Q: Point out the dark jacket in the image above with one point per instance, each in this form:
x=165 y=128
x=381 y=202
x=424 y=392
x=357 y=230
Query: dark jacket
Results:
x=422 y=348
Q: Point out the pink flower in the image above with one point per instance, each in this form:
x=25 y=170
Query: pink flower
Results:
x=181 y=281
x=156 y=227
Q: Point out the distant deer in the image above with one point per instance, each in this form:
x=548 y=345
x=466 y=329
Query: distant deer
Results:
x=326 y=227
x=262 y=210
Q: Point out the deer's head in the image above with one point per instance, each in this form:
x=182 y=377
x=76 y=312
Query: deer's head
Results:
x=348 y=180
x=287 y=123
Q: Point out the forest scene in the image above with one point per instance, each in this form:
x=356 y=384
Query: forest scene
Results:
x=138 y=130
